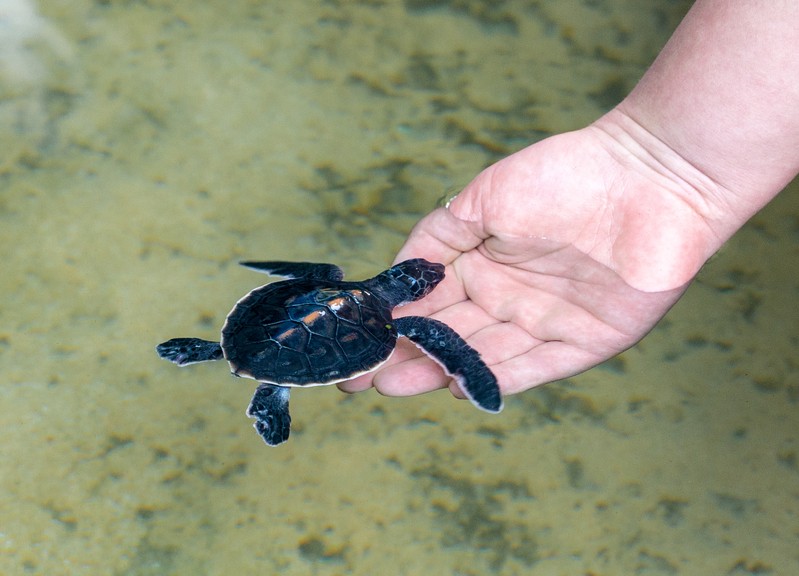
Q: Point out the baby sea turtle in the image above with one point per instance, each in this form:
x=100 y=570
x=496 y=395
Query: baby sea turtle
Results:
x=316 y=329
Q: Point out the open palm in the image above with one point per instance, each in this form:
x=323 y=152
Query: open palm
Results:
x=557 y=258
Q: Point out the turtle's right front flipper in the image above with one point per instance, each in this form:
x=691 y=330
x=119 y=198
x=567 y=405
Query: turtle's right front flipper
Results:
x=185 y=351
x=270 y=408
x=458 y=359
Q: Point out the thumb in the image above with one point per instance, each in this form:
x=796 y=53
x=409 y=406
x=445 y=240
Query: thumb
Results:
x=441 y=237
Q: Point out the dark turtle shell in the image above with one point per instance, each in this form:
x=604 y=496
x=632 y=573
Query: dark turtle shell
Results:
x=315 y=328
x=308 y=332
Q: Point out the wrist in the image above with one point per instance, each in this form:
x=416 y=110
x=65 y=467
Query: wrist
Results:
x=676 y=179
x=718 y=108
x=672 y=217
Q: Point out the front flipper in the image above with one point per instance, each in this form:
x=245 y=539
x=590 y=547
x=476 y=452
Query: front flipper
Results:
x=185 y=351
x=270 y=408
x=459 y=360
x=308 y=270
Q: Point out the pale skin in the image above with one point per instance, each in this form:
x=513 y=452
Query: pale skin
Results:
x=569 y=251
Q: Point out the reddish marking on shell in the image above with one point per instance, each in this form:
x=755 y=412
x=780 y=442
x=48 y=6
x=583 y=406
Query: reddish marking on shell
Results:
x=337 y=303
x=287 y=334
x=313 y=317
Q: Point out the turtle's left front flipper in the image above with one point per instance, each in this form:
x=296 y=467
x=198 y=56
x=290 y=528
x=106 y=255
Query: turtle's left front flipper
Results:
x=458 y=359
x=270 y=408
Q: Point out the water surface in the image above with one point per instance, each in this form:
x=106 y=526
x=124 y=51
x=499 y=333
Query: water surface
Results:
x=146 y=147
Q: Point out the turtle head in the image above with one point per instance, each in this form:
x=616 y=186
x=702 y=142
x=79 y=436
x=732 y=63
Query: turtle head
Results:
x=409 y=280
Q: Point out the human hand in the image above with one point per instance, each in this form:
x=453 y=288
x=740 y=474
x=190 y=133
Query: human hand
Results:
x=557 y=258
x=569 y=251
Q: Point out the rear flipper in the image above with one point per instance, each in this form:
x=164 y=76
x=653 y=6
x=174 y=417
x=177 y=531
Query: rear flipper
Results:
x=270 y=408
x=185 y=351
x=459 y=360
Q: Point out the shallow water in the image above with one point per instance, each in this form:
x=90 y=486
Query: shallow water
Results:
x=146 y=147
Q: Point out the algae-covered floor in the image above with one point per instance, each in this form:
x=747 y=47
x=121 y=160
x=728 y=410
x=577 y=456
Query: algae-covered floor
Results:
x=146 y=147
